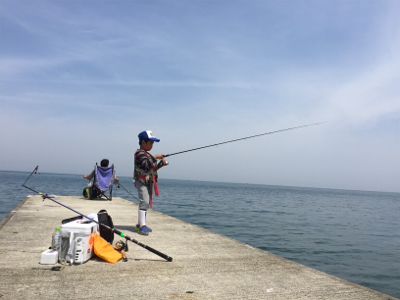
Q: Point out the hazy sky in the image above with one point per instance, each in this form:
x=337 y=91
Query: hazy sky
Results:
x=80 y=79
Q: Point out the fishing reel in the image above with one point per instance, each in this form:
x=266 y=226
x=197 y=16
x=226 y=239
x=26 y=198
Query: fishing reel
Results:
x=122 y=247
x=161 y=164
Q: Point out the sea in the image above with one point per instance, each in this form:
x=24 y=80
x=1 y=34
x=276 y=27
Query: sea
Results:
x=354 y=235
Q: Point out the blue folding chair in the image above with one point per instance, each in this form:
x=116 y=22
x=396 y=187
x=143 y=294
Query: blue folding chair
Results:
x=103 y=182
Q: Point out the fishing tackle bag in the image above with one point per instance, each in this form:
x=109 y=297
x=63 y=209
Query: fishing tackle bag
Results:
x=105 y=250
x=105 y=218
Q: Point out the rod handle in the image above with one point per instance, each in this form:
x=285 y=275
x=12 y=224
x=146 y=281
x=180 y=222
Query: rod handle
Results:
x=166 y=257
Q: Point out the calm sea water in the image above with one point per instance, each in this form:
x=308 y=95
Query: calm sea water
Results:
x=354 y=235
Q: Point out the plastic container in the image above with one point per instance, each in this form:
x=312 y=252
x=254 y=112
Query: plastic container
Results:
x=77 y=240
x=49 y=257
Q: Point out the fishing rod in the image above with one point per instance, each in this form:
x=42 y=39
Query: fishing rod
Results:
x=120 y=185
x=33 y=172
x=114 y=230
x=248 y=137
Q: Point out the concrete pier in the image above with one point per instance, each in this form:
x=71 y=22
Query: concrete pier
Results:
x=205 y=265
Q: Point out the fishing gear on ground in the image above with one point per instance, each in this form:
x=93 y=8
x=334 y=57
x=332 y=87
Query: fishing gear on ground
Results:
x=122 y=247
x=81 y=239
x=114 y=230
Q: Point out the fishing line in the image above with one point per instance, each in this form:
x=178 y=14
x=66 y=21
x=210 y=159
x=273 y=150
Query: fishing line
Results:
x=248 y=137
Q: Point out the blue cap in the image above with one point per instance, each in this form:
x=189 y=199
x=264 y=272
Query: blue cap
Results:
x=147 y=135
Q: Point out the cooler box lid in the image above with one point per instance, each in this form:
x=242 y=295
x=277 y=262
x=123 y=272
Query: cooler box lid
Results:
x=81 y=226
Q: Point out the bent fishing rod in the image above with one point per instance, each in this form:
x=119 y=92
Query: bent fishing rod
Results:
x=114 y=230
x=248 y=137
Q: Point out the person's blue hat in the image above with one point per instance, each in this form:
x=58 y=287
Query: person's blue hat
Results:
x=147 y=135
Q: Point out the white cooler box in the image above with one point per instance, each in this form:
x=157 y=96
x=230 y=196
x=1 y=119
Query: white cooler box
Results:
x=77 y=240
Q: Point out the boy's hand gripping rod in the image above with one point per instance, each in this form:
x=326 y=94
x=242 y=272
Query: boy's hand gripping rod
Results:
x=114 y=230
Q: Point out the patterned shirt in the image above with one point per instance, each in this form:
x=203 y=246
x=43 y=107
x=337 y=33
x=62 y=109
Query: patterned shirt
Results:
x=144 y=160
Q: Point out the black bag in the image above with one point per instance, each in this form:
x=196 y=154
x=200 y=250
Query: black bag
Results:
x=86 y=192
x=104 y=218
x=90 y=192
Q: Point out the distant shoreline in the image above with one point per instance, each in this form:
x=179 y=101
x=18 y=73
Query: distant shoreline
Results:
x=226 y=182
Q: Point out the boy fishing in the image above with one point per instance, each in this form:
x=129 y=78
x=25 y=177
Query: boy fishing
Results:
x=145 y=176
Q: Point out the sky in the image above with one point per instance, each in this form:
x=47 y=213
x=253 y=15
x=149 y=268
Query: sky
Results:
x=80 y=79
